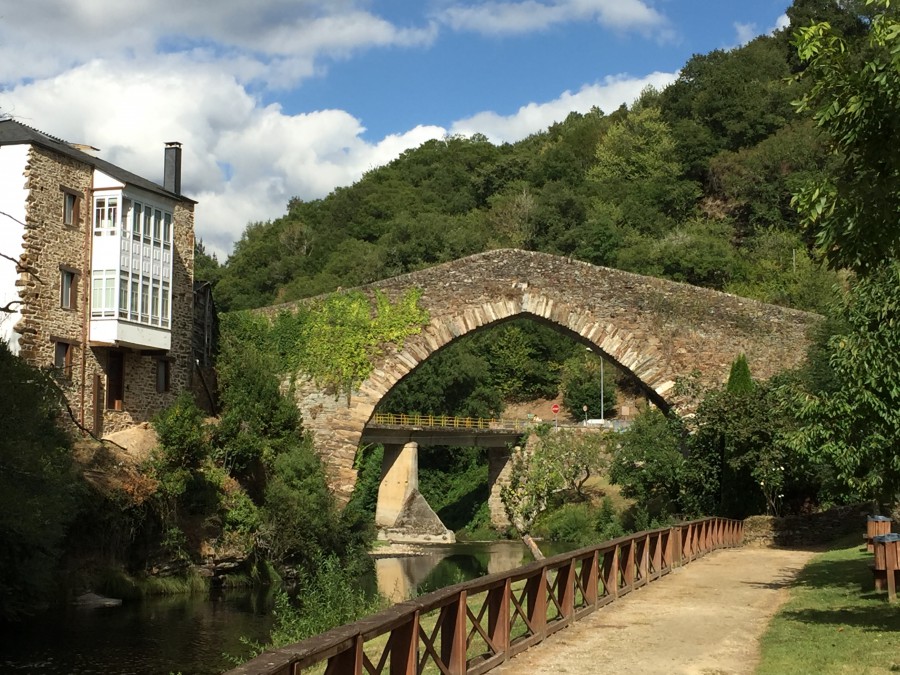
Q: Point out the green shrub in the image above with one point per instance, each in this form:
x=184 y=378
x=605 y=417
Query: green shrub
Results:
x=241 y=514
x=608 y=524
x=368 y=465
x=572 y=523
x=327 y=596
x=301 y=520
x=183 y=437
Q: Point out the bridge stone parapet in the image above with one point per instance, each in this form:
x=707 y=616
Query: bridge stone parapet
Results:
x=655 y=329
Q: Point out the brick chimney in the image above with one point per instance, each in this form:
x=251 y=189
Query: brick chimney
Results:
x=172 y=170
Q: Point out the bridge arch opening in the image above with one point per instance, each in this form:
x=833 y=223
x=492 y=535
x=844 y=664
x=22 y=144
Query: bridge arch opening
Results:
x=466 y=448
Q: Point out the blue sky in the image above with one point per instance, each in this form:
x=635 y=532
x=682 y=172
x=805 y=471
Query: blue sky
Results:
x=281 y=98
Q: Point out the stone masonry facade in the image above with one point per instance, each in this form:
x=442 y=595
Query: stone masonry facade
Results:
x=655 y=329
x=50 y=247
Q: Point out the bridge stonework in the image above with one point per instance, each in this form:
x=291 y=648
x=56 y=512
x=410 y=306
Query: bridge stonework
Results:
x=655 y=329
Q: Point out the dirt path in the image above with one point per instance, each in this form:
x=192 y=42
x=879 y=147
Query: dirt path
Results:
x=703 y=619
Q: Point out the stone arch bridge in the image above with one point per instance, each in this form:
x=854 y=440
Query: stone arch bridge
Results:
x=657 y=330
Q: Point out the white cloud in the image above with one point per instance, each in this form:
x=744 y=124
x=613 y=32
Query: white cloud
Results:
x=532 y=15
x=291 y=35
x=607 y=95
x=242 y=161
x=744 y=32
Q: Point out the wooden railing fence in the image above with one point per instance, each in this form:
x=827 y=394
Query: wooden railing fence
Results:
x=474 y=626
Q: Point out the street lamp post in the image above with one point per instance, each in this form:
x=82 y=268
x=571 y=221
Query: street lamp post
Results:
x=602 y=402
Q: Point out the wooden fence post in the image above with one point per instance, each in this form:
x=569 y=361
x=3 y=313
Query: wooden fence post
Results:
x=590 y=578
x=657 y=555
x=498 y=617
x=349 y=662
x=645 y=559
x=404 y=647
x=453 y=635
x=611 y=572
x=565 y=586
x=536 y=589
x=629 y=566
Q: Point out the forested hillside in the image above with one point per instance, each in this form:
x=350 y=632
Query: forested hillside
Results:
x=693 y=183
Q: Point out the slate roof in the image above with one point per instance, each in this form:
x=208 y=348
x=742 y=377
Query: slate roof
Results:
x=13 y=132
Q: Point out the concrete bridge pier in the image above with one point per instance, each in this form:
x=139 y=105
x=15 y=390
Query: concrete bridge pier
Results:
x=401 y=512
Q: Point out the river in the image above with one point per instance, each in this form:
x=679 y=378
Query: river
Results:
x=192 y=633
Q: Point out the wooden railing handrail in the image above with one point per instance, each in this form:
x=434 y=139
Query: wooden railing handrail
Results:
x=557 y=591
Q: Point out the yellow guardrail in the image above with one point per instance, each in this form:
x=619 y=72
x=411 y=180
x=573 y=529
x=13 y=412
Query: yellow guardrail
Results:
x=448 y=422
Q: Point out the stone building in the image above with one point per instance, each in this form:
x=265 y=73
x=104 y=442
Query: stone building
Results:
x=96 y=276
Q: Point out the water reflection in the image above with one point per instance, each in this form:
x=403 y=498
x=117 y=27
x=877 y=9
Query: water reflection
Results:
x=442 y=565
x=182 y=633
x=191 y=633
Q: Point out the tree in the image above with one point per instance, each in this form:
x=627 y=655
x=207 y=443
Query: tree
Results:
x=532 y=479
x=843 y=15
x=574 y=456
x=554 y=461
x=856 y=424
x=648 y=462
x=581 y=386
x=38 y=487
x=854 y=95
x=739 y=379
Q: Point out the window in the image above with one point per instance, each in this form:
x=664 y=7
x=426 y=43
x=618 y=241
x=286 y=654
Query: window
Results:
x=103 y=293
x=163 y=375
x=126 y=215
x=106 y=211
x=115 y=381
x=62 y=359
x=138 y=218
x=68 y=285
x=164 y=312
x=148 y=217
x=71 y=209
x=157 y=224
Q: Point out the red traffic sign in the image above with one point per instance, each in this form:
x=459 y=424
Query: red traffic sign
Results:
x=555 y=408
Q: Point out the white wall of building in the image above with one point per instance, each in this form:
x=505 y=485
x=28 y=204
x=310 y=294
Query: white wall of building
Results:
x=13 y=160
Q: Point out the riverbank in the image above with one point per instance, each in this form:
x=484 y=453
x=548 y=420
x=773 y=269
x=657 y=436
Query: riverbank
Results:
x=393 y=550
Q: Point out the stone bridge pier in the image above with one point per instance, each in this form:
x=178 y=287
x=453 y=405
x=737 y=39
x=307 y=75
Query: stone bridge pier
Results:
x=499 y=467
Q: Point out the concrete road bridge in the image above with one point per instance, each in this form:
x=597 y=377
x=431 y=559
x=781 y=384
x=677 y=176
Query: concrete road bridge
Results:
x=654 y=329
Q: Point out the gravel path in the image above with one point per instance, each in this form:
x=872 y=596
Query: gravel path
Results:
x=703 y=619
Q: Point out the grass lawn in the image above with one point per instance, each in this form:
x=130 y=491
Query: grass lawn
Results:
x=834 y=622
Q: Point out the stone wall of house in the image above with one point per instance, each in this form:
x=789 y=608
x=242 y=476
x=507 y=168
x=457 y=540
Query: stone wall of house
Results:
x=655 y=329
x=49 y=244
